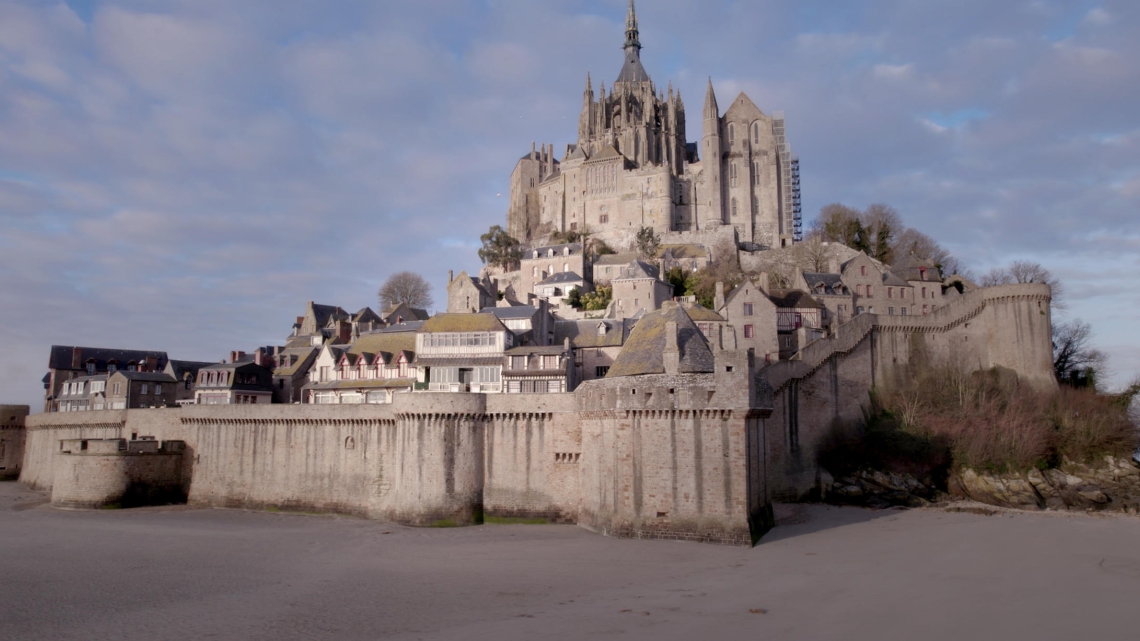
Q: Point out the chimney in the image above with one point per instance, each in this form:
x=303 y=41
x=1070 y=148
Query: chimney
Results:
x=450 y=276
x=235 y=356
x=718 y=300
x=76 y=358
x=344 y=331
x=532 y=150
x=717 y=338
x=671 y=354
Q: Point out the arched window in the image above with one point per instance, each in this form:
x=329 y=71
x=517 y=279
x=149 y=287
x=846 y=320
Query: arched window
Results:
x=734 y=208
x=733 y=175
x=534 y=271
x=756 y=133
x=755 y=171
x=565 y=267
x=731 y=133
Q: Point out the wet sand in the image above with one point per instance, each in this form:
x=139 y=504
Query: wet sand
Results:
x=825 y=573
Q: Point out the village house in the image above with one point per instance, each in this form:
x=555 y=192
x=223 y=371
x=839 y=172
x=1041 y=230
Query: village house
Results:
x=557 y=287
x=799 y=320
x=400 y=313
x=639 y=288
x=462 y=353
x=134 y=389
x=467 y=295
x=236 y=383
x=539 y=369
x=372 y=370
x=607 y=267
x=541 y=263
x=291 y=372
x=66 y=362
x=595 y=343
x=531 y=324
x=752 y=315
x=925 y=281
x=82 y=393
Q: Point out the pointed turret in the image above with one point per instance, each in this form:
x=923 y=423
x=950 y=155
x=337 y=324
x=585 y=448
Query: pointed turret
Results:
x=711 y=109
x=631 y=71
x=631 y=32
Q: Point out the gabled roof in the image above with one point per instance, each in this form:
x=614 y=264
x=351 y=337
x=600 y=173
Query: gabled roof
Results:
x=615 y=259
x=407 y=311
x=384 y=343
x=157 y=377
x=298 y=357
x=181 y=368
x=607 y=153
x=323 y=313
x=893 y=280
x=559 y=278
x=513 y=312
x=910 y=268
x=584 y=333
x=703 y=314
x=60 y=357
x=462 y=323
x=739 y=289
x=638 y=269
x=642 y=353
x=832 y=283
x=794 y=299
x=575 y=249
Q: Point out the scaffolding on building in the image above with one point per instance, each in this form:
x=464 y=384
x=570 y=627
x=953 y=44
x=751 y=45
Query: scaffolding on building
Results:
x=797 y=208
x=788 y=167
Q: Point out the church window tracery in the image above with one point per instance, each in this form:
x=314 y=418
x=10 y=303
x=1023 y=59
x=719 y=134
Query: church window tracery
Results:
x=734 y=208
x=731 y=133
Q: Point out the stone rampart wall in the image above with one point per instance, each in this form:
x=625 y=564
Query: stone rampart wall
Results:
x=97 y=478
x=1007 y=326
x=12 y=438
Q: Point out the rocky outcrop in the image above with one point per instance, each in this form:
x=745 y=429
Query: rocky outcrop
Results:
x=1112 y=486
x=879 y=490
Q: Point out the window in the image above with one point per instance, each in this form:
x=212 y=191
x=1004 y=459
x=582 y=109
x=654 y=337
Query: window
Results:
x=518 y=362
x=601 y=370
x=731 y=133
x=90 y=368
x=890 y=311
x=734 y=208
x=904 y=311
x=116 y=388
x=112 y=367
x=324 y=373
x=143 y=389
x=747 y=309
x=554 y=387
x=732 y=175
x=550 y=362
x=925 y=310
x=890 y=292
x=870 y=291
x=157 y=389
x=514 y=387
x=604 y=218
x=862 y=270
x=859 y=290
x=98 y=386
x=748 y=332
x=565 y=267
x=858 y=310
x=756 y=133
x=924 y=293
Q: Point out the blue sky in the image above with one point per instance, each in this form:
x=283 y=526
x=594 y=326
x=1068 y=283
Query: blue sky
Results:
x=185 y=175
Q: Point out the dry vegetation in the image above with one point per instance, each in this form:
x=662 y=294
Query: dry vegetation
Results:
x=944 y=417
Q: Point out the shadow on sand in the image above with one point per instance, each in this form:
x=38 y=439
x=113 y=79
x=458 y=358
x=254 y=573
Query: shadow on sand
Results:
x=798 y=519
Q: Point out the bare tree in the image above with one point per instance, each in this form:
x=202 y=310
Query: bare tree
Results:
x=1075 y=361
x=1024 y=271
x=405 y=287
x=911 y=242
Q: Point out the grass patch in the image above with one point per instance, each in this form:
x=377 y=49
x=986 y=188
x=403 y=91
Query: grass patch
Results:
x=111 y=506
x=444 y=523
x=514 y=520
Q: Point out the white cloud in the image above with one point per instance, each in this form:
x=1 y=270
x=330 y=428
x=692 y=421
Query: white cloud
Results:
x=893 y=72
x=1098 y=17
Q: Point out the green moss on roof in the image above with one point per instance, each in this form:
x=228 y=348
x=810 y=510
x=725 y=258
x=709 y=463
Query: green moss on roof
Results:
x=683 y=251
x=642 y=353
x=703 y=314
x=462 y=323
x=392 y=343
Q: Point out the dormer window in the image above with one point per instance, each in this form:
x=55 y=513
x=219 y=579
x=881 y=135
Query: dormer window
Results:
x=602 y=329
x=90 y=368
x=549 y=253
x=112 y=367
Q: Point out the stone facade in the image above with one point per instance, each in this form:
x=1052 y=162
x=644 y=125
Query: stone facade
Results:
x=632 y=167
x=12 y=435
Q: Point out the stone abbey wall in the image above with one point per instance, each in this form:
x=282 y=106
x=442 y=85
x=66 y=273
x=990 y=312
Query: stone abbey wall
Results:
x=690 y=456
x=1007 y=326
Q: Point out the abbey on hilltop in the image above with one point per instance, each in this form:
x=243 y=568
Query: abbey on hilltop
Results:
x=633 y=167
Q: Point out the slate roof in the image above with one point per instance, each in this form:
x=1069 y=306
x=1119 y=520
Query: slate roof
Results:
x=514 y=312
x=388 y=344
x=701 y=313
x=832 y=283
x=301 y=356
x=535 y=349
x=462 y=323
x=615 y=259
x=638 y=269
x=406 y=326
x=909 y=269
x=415 y=312
x=182 y=368
x=322 y=313
x=893 y=280
x=157 y=377
x=575 y=249
x=60 y=357
x=560 y=278
x=632 y=70
x=794 y=299
x=607 y=153
x=642 y=353
x=584 y=333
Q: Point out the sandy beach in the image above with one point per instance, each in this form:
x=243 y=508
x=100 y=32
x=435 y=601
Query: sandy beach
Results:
x=825 y=572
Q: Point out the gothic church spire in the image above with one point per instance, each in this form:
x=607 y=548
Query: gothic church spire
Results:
x=632 y=71
x=631 y=33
